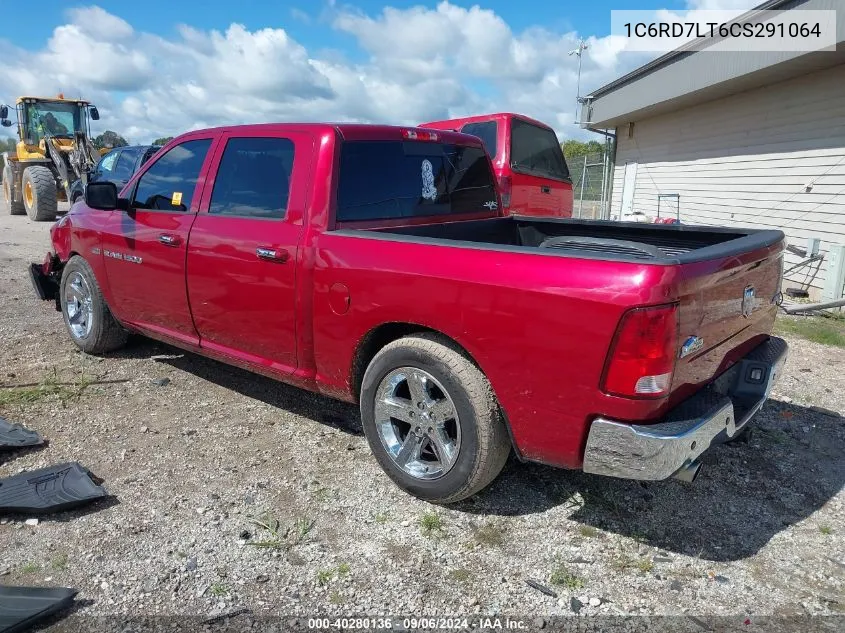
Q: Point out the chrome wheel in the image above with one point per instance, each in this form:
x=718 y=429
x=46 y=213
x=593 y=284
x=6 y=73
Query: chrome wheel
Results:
x=79 y=309
x=417 y=423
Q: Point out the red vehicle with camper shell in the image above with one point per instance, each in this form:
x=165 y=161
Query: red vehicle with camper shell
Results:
x=374 y=264
x=530 y=168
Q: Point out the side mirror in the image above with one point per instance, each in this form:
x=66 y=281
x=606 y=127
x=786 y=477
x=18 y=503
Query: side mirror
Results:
x=103 y=196
x=5 y=123
x=4 y=113
x=95 y=113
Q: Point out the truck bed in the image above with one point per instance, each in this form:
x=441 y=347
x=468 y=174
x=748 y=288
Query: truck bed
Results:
x=590 y=239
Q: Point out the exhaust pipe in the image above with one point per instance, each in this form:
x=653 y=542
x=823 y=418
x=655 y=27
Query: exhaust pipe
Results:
x=689 y=472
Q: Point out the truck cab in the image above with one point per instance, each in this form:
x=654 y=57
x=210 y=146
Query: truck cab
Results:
x=530 y=168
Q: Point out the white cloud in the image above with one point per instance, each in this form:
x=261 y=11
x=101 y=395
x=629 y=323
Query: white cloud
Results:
x=420 y=64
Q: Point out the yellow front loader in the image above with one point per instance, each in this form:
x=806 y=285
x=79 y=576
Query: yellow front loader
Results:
x=54 y=148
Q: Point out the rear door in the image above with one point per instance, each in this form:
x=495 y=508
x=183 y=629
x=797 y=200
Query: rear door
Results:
x=144 y=248
x=242 y=255
x=541 y=185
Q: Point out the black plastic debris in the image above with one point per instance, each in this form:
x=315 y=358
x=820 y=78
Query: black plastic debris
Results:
x=49 y=489
x=535 y=584
x=16 y=436
x=22 y=607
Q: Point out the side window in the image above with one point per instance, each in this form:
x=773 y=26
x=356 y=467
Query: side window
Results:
x=125 y=165
x=536 y=151
x=148 y=154
x=169 y=184
x=253 y=179
x=107 y=162
x=486 y=131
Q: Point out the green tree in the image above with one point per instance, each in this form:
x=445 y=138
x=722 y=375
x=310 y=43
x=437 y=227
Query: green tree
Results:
x=109 y=139
x=573 y=150
x=164 y=140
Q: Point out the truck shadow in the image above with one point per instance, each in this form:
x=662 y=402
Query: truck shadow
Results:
x=322 y=409
x=746 y=493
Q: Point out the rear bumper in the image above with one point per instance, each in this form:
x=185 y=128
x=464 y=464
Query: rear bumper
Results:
x=715 y=414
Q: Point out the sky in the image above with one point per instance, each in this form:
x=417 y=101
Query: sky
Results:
x=162 y=67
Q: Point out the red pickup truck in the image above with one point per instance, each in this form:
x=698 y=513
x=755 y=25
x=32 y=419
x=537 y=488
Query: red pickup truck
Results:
x=373 y=264
x=528 y=161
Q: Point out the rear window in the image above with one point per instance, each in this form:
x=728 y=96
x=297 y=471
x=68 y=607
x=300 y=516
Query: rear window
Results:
x=486 y=131
x=381 y=180
x=536 y=151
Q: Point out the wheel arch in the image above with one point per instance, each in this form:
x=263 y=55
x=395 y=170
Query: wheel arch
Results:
x=385 y=333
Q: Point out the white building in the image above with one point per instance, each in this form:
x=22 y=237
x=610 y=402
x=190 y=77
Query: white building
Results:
x=747 y=139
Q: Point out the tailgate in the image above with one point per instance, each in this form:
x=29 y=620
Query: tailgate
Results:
x=726 y=309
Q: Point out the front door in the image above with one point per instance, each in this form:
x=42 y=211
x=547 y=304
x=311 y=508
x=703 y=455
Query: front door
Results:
x=242 y=255
x=144 y=248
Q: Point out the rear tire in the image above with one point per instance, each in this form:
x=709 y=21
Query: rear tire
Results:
x=15 y=208
x=87 y=317
x=460 y=415
x=39 y=194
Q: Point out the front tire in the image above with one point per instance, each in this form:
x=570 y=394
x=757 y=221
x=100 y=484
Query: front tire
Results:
x=39 y=194
x=431 y=419
x=15 y=208
x=87 y=317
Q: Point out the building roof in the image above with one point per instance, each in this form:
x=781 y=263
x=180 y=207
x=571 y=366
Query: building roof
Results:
x=685 y=76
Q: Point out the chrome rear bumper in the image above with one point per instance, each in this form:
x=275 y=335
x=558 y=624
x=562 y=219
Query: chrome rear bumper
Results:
x=717 y=413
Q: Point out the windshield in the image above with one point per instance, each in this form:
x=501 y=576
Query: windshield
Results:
x=536 y=151
x=381 y=180
x=53 y=118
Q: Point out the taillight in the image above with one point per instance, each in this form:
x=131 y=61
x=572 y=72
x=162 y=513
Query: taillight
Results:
x=642 y=356
x=505 y=190
x=420 y=135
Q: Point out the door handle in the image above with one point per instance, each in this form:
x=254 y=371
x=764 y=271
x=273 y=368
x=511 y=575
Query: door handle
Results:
x=545 y=189
x=169 y=240
x=271 y=254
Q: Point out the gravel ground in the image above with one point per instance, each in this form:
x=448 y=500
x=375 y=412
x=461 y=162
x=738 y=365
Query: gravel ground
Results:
x=195 y=454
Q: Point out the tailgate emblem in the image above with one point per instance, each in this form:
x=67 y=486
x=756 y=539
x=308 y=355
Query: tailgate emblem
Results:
x=747 y=301
x=691 y=345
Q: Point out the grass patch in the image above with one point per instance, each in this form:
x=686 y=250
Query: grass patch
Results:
x=626 y=563
x=823 y=330
x=431 y=524
x=30 y=568
x=336 y=598
x=562 y=577
x=381 y=518
x=489 y=534
x=325 y=576
x=460 y=575
x=59 y=562
x=645 y=565
x=323 y=494
x=301 y=529
x=826 y=530
x=218 y=589
x=49 y=387
x=276 y=536
x=588 y=531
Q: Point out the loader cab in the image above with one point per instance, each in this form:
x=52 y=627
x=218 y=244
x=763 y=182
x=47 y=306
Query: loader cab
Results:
x=59 y=119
